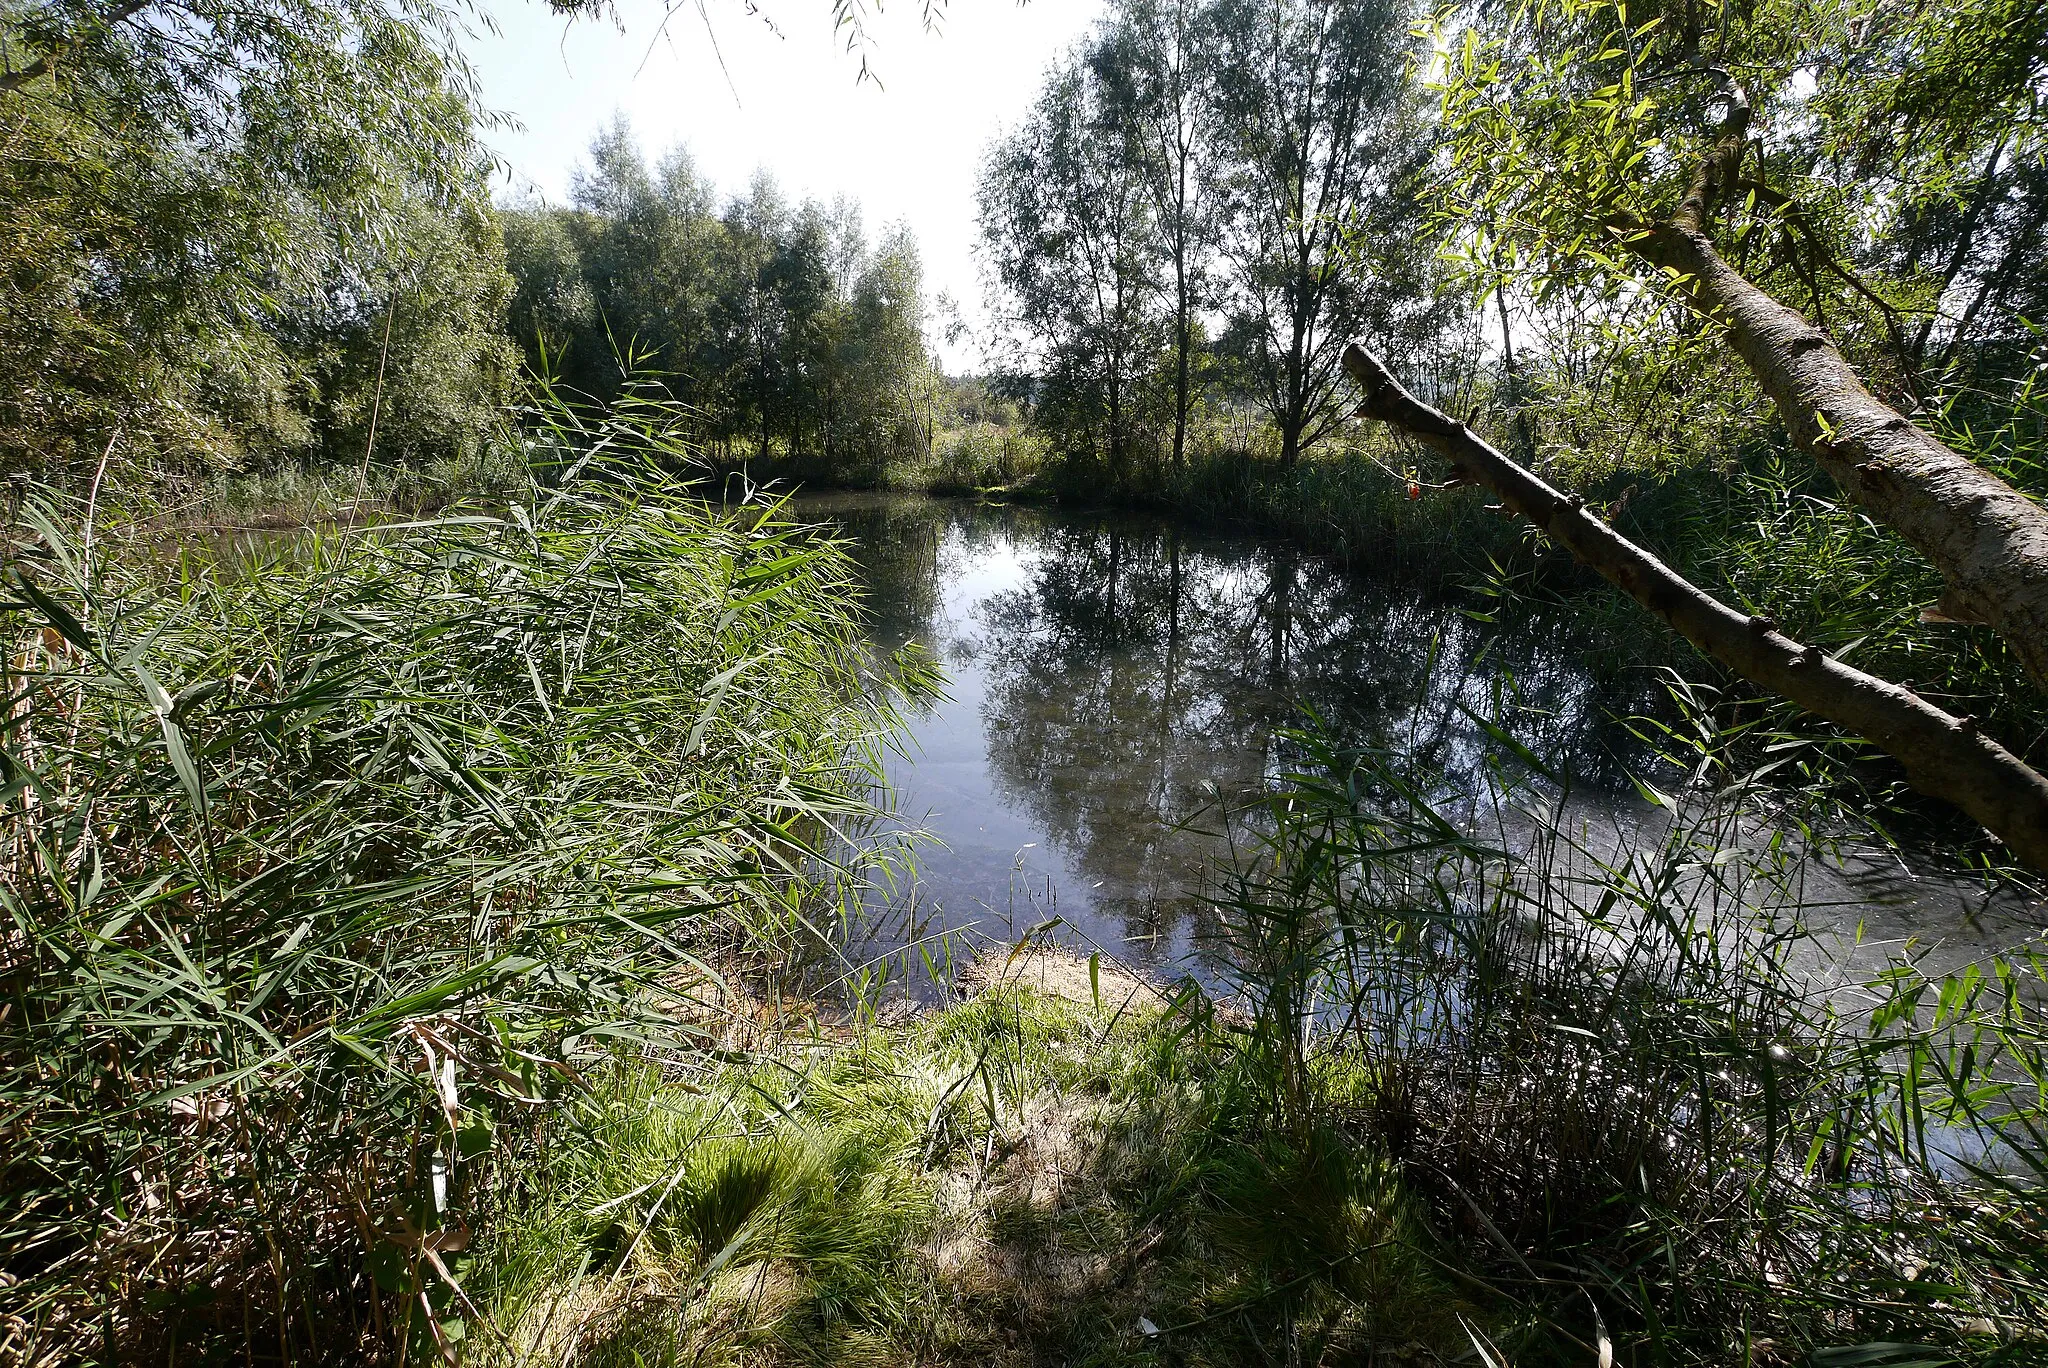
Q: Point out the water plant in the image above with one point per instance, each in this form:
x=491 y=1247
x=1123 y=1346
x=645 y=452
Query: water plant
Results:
x=1664 y=1121
x=328 y=873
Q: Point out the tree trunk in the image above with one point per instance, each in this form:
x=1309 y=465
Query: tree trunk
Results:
x=1116 y=434
x=1181 y=342
x=1290 y=443
x=1944 y=756
x=1988 y=540
x=45 y=63
x=1966 y=239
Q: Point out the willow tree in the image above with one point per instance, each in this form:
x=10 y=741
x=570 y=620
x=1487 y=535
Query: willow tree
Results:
x=1154 y=62
x=1067 y=223
x=1317 y=142
x=1828 y=187
x=206 y=205
x=783 y=326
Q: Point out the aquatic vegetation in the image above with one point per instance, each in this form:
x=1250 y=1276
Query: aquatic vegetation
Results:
x=1483 y=1088
x=328 y=875
x=1650 y=1105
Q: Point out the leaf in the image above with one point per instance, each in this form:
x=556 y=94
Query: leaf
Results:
x=57 y=615
x=390 y=1267
x=174 y=742
x=473 y=1140
x=1880 y=1354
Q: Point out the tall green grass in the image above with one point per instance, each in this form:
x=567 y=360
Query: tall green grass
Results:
x=1659 y=1114
x=1346 y=503
x=327 y=876
x=1015 y=1180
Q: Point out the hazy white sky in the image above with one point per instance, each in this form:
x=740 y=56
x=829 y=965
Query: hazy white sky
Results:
x=786 y=100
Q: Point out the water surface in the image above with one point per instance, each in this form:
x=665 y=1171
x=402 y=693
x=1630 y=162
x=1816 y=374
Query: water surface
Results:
x=1114 y=680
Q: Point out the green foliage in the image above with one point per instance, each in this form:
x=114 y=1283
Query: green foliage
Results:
x=1246 y=165
x=1629 y=1079
x=1018 y=1178
x=1890 y=189
x=1073 y=244
x=329 y=872
x=788 y=332
x=426 y=358
x=207 y=212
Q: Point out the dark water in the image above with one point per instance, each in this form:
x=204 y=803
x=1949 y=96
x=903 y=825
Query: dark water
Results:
x=1116 y=679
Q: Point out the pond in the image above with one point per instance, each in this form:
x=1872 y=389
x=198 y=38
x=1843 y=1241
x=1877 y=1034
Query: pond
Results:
x=1114 y=679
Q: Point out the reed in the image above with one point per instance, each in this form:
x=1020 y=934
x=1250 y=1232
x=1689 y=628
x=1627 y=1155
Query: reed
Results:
x=330 y=874
x=1653 y=1107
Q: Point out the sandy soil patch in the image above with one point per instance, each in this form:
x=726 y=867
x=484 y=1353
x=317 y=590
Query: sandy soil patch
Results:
x=1063 y=974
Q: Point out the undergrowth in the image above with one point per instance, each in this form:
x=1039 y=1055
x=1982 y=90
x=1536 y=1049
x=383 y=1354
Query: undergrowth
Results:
x=1484 y=1093
x=1659 y=1117
x=326 y=876
x=1022 y=1179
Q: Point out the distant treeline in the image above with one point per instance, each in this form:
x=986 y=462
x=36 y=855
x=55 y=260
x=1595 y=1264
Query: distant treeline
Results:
x=785 y=327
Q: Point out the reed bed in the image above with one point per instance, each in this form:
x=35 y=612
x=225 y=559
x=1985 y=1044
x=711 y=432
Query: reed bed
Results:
x=1650 y=1107
x=330 y=876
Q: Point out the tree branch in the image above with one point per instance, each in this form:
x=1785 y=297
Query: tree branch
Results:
x=1988 y=540
x=1944 y=756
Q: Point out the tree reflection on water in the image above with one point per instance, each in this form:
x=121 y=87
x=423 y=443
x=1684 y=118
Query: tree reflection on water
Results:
x=1115 y=678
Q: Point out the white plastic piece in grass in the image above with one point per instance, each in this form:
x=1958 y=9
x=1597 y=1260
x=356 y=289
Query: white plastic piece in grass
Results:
x=1146 y=1327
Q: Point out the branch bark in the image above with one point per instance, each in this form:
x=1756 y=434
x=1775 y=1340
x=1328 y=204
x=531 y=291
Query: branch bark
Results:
x=1988 y=540
x=1944 y=756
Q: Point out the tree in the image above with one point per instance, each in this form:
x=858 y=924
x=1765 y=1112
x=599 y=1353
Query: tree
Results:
x=1944 y=755
x=1721 y=157
x=416 y=345
x=773 y=322
x=890 y=369
x=1066 y=221
x=185 y=186
x=1318 y=146
x=802 y=277
x=1154 y=66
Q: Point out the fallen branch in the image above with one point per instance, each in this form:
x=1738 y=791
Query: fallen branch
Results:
x=1988 y=540
x=1944 y=756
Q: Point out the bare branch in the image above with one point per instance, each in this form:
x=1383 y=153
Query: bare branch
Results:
x=1944 y=756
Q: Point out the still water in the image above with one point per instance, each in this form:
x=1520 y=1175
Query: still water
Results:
x=1115 y=680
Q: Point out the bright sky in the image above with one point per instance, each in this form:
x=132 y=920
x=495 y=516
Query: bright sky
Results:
x=787 y=101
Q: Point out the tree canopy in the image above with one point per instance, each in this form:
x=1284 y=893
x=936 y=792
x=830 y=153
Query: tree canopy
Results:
x=210 y=214
x=784 y=326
